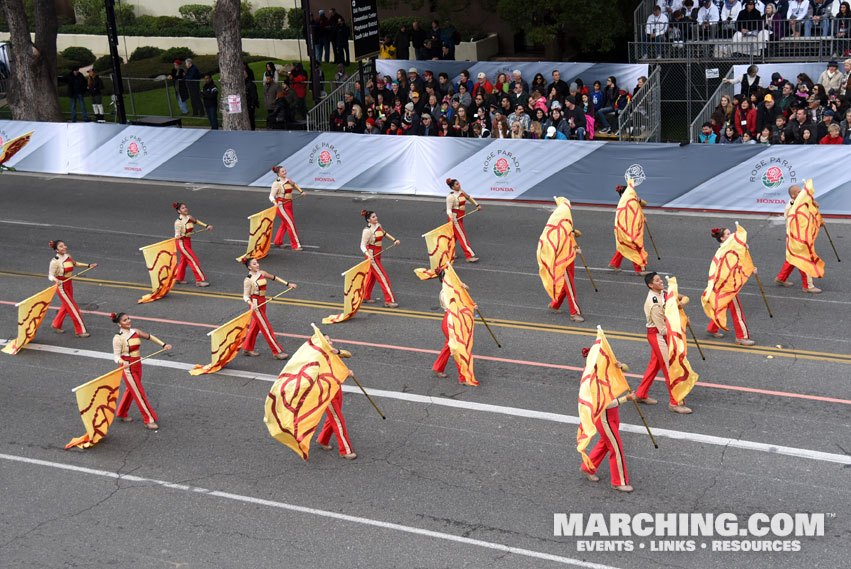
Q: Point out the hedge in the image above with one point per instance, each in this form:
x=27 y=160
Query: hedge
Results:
x=81 y=56
x=144 y=52
x=183 y=29
x=197 y=13
x=172 y=53
x=270 y=19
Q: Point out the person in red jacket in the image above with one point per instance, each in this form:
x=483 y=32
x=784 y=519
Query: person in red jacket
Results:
x=483 y=83
x=298 y=81
x=833 y=135
x=745 y=118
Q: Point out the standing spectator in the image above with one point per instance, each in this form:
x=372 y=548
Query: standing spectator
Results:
x=193 y=85
x=77 y=86
x=178 y=76
x=445 y=54
x=341 y=76
x=298 y=83
x=418 y=37
x=654 y=32
x=539 y=83
x=766 y=113
x=818 y=16
x=252 y=99
x=270 y=94
x=95 y=88
x=833 y=136
x=610 y=97
x=450 y=37
x=272 y=70
x=210 y=94
x=797 y=13
x=842 y=29
x=341 y=42
x=745 y=118
x=386 y=49
x=403 y=42
x=831 y=78
x=436 y=36
x=575 y=118
x=706 y=134
x=326 y=33
x=749 y=81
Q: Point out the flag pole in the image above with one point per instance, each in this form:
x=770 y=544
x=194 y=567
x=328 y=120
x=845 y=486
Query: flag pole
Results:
x=485 y=322
x=643 y=420
x=80 y=273
x=587 y=270
x=653 y=241
x=274 y=297
x=384 y=250
x=693 y=337
x=759 y=282
x=826 y=232
x=367 y=396
x=466 y=213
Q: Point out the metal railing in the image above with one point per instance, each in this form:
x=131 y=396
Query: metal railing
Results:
x=640 y=15
x=641 y=120
x=705 y=114
x=319 y=117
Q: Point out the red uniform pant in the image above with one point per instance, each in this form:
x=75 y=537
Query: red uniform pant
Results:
x=135 y=391
x=616 y=262
x=334 y=423
x=738 y=318
x=460 y=234
x=259 y=323
x=65 y=290
x=658 y=361
x=443 y=356
x=569 y=292
x=806 y=280
x=187 y=257
x=376 y=273
x=285 y=213
x=609 y=443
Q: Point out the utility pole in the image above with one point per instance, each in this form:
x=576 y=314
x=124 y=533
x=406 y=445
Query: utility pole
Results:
x=117 y=83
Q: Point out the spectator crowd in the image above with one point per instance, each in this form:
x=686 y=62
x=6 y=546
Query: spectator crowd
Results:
x=785 y=112
x=435 y=43
x=503 y=106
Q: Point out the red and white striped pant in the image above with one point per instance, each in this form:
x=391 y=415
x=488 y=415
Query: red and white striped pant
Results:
x=786 y=271
x=460 y=234
x=738 y=318
x=609 y=443
x=187 y=257
x=376 y=273
x=618 y=258
x=285 y=213
x=658 y=361
x=569 y=292
x=259 y=323
x=65 y=290
x=335 y=424
x=135 y=392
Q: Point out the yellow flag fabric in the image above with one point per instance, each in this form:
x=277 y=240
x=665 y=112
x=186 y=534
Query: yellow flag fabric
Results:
x=731 y=266
x=302 y=392
x=461 y=324
x=12 y=147
x=97 y=400
x=30 y=314
x=602 y=382
x=682 y=376
x=802 y=226
x=629 y=226
x=259 y=234
x=225 y=342
x=161 y=260
x=556 y=248
x=354 y=283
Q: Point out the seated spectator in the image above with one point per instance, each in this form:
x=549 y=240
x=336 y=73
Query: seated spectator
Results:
x=728 y=16
x=539 y=116
x=831 y=78
x=808 y=135
x=823 y=125
x=654 y=33
x=764 y=136
x=479 y=132
x=639 y=84
x=575 y=118
x=707 y=20
x=597 y=96
x=557 y=84
x=724 y=111
x=518 y=95
x=557 y=121
x=501 y=85
x=394 y=129
x=586 y=105
x=610 y=97
x=845 y=125
x=517 y=130
x=464 y=79
x=517 y=77
x=797 y=13
x=748 y=22
x=776 y=85
x=833 y=136
x=766 y=112
x=778 y=135
x=818 y=18
x=729 y=136
x=744 y=118
x=539 y=83
x=706 y=135
x=483 y=83
x=678 y=28
x=519 y=115
x=537 y=101
x=748 y=139
x=553 y=134
x=464 y=96
x=444 y=128
x=815 y=109
x=461 y=123
x=426 y=127
x=795 y=127
x=500 y=126
x=536 y=131
x=338 y=118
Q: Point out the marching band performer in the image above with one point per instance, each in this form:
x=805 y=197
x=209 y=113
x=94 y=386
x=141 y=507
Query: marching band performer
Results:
x=456 y=205
x=657 y=332
x=282 y=197
x=59 y=272
x=184 y=225
x=371 y=245
x=254 y=293
x=569 y=290
x=126 y=352
x=335 y=424
x=786 y=270
x=617 y=258
x=439 y=366
x=608 y=425
x=743 y=336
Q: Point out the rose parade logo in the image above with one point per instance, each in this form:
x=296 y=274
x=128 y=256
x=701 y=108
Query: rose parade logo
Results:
x=772 y=173
x=501 y=168
x=229 y=158
x=324 y=155
x=133 y=147
x=772 y=178
x=501 y=163
x=324 y=159
x=636 y=172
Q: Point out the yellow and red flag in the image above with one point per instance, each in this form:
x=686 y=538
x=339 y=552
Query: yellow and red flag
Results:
x=354 y=285
x=602 y=382
x=225 y=342
x=629 y=226
x=97 y=400
x=682 y=376
x=440 y=243
x=259 y=234
x=12 y=147
x=30 y=314
x=461 y=324
x=556 y=248
x=802 y=226
x=302 y=392
x=731 y=266
x=161 y=260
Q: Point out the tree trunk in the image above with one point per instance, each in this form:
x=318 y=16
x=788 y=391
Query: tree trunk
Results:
x=33 y=93
x=229 y=39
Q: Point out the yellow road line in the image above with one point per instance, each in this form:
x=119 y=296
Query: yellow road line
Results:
x=514 y=324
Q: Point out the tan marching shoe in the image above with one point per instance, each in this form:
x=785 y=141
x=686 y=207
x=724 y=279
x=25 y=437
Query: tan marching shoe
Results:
x=626 y=488
x=440 y=374
x=298 y=249
x=716 y=334
x=370 y=301
x=647 y=401
x=181 y=282
x=681 y=409
x=614 y=268
x=126 y=419
x=391 y=304
x=640 y=274
x=202 y=284
x=350 y=456
x=281 y=356
x=83 y=335
x=250 y=353
x=577 y=318
x=324 y=447
x=812 y=290
x=57 y=330
x=152 y=426
x=473 y=260
x=778 y=282
x=745 y=342
x=590 y=476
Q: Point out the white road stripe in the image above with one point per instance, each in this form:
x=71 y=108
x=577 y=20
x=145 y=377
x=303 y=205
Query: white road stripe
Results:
x=488 y=408
x=311 y=511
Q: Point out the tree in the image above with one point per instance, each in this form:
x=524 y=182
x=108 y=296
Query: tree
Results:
x=229 y=39
x=33 y=93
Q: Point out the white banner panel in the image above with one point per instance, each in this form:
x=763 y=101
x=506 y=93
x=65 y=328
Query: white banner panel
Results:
x=47 y=150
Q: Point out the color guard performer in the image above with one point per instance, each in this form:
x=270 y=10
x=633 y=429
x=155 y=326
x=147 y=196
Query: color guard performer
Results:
x=59 y=272
x=127 y=353
x=569 y=290
x=254 y=293
x=615 y=263
x=608 y=425
x=335 y=424
x=657 y=332
x=371 y=245
x=743 y=336
x=456 y=205
x=786 y=270
x=439 y=366
x=282 y=197
x=184 y=225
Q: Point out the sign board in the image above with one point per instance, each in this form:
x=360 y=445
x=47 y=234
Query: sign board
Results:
x=234 y=104
x=712 y=73
x=365 y=28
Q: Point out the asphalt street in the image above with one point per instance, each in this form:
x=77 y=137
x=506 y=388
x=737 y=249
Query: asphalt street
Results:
x=456 y=476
